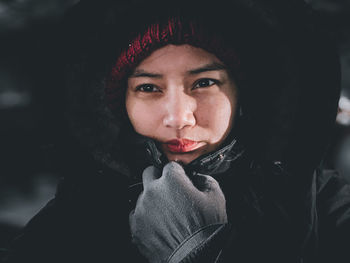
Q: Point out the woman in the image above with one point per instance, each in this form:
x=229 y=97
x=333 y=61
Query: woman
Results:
x=206 y=147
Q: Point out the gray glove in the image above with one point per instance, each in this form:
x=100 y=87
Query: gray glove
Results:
x=172 y=216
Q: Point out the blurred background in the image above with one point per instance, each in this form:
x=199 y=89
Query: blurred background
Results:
x=31 y=126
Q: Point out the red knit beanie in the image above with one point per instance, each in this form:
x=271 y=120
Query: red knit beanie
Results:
x=174 y=30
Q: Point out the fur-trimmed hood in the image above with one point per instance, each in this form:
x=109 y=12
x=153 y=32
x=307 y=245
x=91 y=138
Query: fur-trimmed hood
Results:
x=289 y=95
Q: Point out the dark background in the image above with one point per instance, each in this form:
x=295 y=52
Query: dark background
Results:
x=32 y=132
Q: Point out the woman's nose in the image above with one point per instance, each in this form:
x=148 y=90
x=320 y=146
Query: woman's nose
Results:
x=179 y=111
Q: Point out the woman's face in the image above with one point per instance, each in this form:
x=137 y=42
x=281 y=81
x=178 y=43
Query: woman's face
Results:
x=184 y=99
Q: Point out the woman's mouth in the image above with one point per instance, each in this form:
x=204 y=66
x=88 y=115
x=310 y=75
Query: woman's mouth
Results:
x=181 y=145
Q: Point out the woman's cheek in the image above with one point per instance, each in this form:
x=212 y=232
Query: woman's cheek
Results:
x=214 y=107
x=145 y=118
x=219 y=116
x=136 y=114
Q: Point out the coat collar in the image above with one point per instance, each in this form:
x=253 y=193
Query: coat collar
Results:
x=212 y=163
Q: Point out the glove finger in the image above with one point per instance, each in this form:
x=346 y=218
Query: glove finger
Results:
x=149 y=175
x=174 y=172
x=132 y=225
x=132 y=220
x=206 y=183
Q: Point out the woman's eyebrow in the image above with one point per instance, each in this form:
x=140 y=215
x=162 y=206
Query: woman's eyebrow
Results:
x=142 y=73
x=208 y=67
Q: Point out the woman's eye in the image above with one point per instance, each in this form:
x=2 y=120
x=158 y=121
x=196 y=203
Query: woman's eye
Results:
x=147 y=88
x=202 y=83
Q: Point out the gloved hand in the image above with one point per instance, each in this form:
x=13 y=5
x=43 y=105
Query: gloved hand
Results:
x=172 y=212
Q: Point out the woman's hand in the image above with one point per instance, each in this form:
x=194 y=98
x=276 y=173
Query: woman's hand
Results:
x=171 y=210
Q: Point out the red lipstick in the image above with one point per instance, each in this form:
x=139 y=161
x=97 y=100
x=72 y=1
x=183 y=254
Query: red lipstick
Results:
x=181 y=145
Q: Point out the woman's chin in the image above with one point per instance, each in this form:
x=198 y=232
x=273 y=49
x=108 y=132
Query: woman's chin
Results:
x=183 y=158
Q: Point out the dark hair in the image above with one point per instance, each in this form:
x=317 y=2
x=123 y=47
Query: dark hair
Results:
x=174 y=30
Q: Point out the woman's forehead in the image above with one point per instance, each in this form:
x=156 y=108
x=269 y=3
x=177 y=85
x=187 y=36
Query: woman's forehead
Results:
x=185 y=58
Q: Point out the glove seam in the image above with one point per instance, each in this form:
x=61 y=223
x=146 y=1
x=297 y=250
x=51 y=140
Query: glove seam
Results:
x=191 y=237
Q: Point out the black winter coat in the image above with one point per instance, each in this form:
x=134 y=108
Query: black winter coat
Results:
x=281 y=206
x=269 y=220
